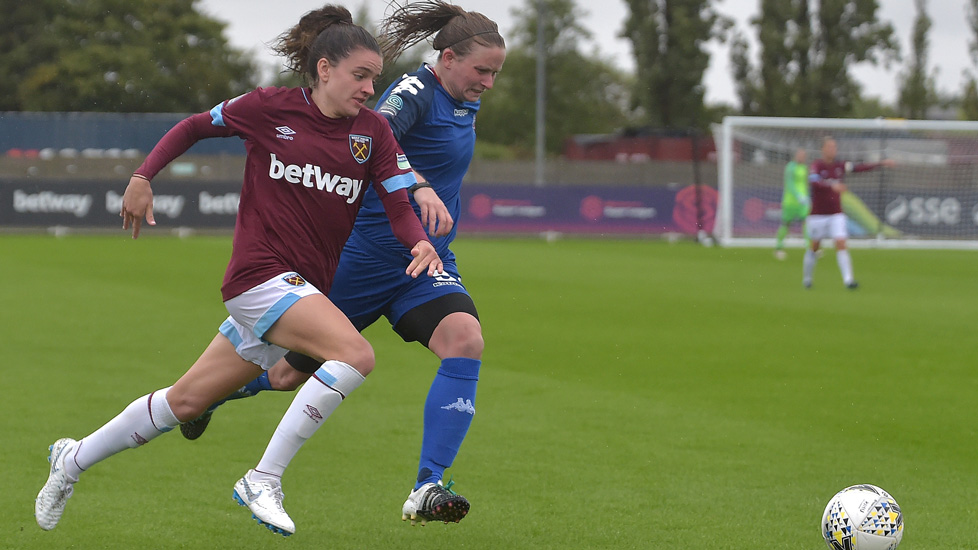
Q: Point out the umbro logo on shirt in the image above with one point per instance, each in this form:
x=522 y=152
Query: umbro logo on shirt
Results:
x=284 y=132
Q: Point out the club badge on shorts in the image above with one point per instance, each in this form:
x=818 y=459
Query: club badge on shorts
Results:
x=294 y=279
x=360 y=147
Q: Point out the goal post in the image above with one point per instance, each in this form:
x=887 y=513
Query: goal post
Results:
x=928 y=199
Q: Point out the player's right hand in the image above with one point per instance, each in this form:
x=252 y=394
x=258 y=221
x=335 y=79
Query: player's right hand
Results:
x=137 y=203
x=425 y=259
x=434 y=213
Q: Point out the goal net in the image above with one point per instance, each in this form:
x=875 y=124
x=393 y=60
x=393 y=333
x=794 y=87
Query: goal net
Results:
x=928 y=199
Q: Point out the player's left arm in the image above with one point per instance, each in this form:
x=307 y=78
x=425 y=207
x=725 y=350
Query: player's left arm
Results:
x=867 y=166
x=391 y=176
x=815 y=179
x=406 y=106
x=137 y=200
x=408 y=230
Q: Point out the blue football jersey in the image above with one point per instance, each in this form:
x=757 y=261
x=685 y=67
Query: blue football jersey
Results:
x=437 y=133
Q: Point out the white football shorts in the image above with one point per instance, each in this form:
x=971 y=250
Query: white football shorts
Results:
x=831 y=226
x=254 y=311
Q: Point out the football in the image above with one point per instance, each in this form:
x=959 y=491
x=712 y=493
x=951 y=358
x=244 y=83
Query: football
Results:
x=862 y=517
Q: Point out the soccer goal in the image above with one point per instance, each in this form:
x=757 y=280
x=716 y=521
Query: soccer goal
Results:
x=928 y=199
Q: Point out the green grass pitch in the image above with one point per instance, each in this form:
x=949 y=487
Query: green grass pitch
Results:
x=634 y=394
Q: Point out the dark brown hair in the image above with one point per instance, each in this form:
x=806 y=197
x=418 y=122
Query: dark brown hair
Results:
x=328 y=32
x=457 y=29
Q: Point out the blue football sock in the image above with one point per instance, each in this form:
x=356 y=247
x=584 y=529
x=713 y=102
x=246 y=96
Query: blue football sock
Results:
x=250 y=389
x=448 y=413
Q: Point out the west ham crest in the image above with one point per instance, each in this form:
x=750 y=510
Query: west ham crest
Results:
x=360 y=147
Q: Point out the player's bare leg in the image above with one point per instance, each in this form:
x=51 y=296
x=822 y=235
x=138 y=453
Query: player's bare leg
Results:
x=313 y=326
x=215 y=373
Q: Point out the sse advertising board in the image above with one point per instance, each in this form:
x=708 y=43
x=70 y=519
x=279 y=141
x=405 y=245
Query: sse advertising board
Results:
x=945 y=213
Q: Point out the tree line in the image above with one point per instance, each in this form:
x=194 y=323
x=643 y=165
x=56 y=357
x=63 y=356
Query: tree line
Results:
x=166 y=56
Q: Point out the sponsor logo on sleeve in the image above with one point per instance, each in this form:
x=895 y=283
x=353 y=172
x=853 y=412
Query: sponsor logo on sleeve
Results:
x=402 y=162
x=392 y=105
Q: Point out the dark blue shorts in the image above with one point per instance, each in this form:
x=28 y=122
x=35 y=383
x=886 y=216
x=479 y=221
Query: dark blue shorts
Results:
x=367 y=286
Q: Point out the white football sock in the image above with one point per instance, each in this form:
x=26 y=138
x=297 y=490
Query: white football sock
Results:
x=808 y=266
x=313 y=404
x=144 y=419
x=845 y=265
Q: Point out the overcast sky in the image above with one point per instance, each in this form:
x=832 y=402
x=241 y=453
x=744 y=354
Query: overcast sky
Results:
x=254 y=23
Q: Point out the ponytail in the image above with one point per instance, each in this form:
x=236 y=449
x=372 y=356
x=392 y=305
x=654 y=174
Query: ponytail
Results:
x=456 y=28
x=329 y=33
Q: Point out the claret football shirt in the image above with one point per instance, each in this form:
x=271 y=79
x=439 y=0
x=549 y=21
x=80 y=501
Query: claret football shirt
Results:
x=305 y=178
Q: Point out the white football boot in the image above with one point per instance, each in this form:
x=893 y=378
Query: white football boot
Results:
x=50 y=501
x=264 y=499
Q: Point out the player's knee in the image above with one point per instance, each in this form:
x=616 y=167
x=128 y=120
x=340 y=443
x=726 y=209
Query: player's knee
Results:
x=354 y=350
x=471 y=343
x=286 y=379
x=459 y=336
x=185 y=406
x=359 y=354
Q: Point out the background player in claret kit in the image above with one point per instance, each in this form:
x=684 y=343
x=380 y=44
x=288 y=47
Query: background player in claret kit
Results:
x=826 y=219
x=432 y=113
x=298 y=204
x=795 y=200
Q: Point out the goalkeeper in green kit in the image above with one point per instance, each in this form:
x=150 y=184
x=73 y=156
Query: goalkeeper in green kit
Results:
x=796 y=202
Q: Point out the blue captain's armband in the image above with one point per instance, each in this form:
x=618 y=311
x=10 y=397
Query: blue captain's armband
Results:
x=217 y=114
x=400 y=181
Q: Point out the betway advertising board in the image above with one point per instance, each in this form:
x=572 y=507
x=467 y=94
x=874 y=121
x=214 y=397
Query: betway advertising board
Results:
x=96 y=204
x=496 y=208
